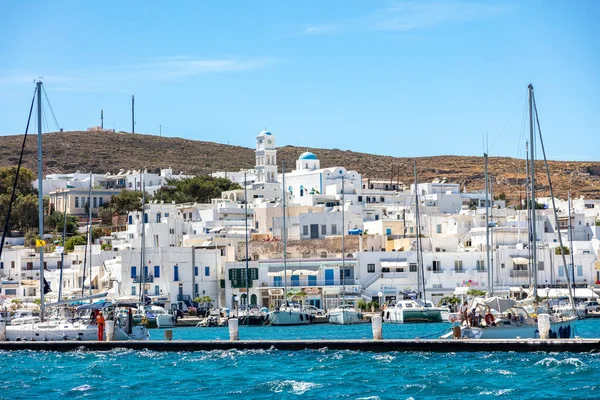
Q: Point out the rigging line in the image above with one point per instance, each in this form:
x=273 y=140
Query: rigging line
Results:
x=14 y=188
x=51 y=110
x=562 y=251
x=507 y=121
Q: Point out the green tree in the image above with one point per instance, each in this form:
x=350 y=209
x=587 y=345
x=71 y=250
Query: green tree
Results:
x=25 y=212
x=55 y=222
x=74 y=241
x=126 y=202
x=24 y=186
x=197 y=189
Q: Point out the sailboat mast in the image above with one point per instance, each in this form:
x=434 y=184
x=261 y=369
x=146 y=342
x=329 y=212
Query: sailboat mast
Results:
x=343 y=248
x=143 y=237
x=487 y=222
x=571 y=243
x=534 y=267
x=40 y=194
x=90 y=229
x=528 y=205
x=283 y=196
x=420 y=272
x=246 y=231
x=62 y=253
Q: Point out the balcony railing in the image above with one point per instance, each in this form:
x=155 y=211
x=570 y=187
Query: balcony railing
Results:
x=517 y=273
x=143 y=279
x=309 y=283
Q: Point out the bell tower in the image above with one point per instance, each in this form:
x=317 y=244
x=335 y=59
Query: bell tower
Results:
x=266 y=158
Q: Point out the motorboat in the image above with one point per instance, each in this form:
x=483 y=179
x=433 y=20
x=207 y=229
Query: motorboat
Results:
x=410 y=311
x=345 y=314
x=289 y=314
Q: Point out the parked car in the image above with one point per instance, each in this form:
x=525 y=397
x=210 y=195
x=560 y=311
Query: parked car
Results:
x=312 y=310
x=588 y=306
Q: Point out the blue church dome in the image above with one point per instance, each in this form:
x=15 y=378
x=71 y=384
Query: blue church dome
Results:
x=307 y=156
x=264 y=133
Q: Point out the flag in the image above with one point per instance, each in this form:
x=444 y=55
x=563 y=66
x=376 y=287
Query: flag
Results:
x=40 y=243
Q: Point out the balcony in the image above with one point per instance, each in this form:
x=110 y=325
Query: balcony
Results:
x=517 y=273
x=143 y=279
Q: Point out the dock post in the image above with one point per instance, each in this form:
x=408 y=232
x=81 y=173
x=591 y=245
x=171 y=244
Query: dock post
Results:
x=234 y=333
x=2 y=330
x=110 y=331
x=376 y=325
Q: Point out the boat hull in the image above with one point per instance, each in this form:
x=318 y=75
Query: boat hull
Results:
x=288 y=317
x=404 y=316
x=344 y=317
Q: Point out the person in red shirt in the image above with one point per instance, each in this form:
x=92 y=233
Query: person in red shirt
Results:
x=100 y=321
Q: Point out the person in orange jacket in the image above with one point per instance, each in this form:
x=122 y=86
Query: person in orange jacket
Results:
x=100 y=322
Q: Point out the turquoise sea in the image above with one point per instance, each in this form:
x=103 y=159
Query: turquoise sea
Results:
x=318 y=374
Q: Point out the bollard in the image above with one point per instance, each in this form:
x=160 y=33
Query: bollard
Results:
x=456 y=332
x=168 y=334
x=2 y=330
x=544 y=326
x=110 y=331
x=376 y=325
x=234 y=333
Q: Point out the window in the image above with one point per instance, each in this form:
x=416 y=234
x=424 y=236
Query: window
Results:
x=437 y=266
x=156 y=290
x=312 y=280
x=323 y=230
x=580 y=270
x=158 y=217
x=561 y=270
x=382 y=199
x=190 y=215
x=334 y=229
x=411 y=229
x=480 y=265
x=195 y=271
x=133 y=290
x=277 y=281
x=133 y=272
x=12 y=264
x=295 y=280
x=157 y=271
x=371 y=268
x=58 y=265
x=458 y=266
x=172 y=231
x=360 y=199
x=94 y=202
x=29 y=266
x=438 y=228
x=76 y=202
x=145 y=218
x=2 y=264
x=131 y=220
x=412 y=267
x=540 y=265
x=100 y=201
x=305 y=230
x=175 y=273
x=388 y=231
x=206 y=271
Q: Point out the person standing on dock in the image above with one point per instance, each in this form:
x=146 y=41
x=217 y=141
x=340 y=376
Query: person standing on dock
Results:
x=100 y=321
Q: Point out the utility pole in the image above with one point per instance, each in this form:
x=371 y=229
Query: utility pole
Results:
x=132 y=114
x=102 y=119
x=160 y=130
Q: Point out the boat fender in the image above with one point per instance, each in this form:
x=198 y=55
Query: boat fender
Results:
x=144 y=320
x=301 y=317
x=568 y=331
x=561 y=332
x=387 y=315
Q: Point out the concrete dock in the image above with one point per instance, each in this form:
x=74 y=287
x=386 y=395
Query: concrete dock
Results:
x=437 y=345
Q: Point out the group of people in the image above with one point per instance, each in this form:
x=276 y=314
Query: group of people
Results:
x=473 y=318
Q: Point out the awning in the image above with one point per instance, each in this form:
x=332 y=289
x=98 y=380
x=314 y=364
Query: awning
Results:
x=520 y=260
x=516 y=290
x=207 y=243
x=394 y=264
x=499 y=304
x=217 y=229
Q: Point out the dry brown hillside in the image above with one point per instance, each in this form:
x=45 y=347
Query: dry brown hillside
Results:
x=101 y=152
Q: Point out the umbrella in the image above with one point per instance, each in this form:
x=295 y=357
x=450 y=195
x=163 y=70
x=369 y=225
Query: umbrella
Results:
x=499 y=304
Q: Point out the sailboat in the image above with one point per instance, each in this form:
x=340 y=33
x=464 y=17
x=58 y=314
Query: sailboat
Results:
x=344 y=314
x=415 y=310
x=287 y=313
x=525 y=320
x=65 y=324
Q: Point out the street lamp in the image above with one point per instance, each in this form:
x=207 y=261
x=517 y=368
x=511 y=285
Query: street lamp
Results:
x=235 y=305
x=380 y=295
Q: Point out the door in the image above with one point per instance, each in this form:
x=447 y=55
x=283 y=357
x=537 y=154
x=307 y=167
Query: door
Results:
x=314 y=231
x=328 y=277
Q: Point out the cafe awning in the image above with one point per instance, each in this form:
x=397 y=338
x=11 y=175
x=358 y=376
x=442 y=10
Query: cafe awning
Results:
x=520 y=260
x=394 y=264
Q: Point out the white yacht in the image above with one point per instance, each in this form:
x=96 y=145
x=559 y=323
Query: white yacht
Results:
x=289 y=314
x=345 y=314
x=405 y=311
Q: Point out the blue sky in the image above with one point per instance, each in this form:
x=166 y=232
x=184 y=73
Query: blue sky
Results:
x=406 y=78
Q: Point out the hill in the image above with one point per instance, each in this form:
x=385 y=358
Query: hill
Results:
x=101 y=152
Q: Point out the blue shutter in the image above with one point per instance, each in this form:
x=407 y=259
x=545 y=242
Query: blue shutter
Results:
x=206 y=271
x=157 y=271
x=580 y=270
x=133 y=272
x=195 y=271
x=328 y=277
x=295 y=280
x=312 y=280
x=176 y=273
x=277 y=281
x=130 y=220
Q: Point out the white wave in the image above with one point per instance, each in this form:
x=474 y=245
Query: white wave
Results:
x=551 y=362
x=293 y=387
x=386 y=358
x=82 y=388
x=498 y=392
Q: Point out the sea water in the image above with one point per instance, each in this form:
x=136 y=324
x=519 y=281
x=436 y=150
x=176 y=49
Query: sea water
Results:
x=309 y=374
